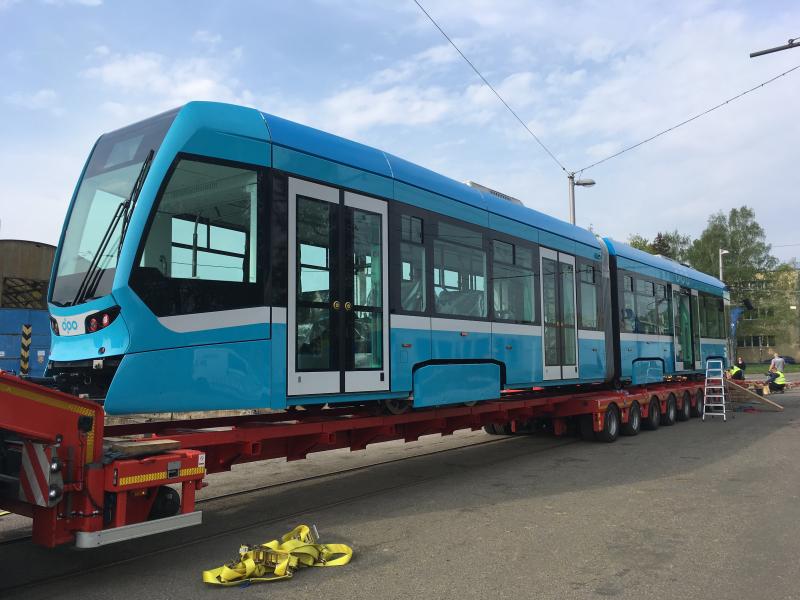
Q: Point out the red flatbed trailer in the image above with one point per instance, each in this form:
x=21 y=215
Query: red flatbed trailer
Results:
x=53 y=467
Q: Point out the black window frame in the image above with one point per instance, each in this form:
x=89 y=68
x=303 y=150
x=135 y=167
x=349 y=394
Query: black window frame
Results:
x=580 y=265
x=536 y=268
x=261 y=293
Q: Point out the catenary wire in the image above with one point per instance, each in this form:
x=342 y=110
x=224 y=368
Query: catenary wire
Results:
x=491 y=87
x=689 y=120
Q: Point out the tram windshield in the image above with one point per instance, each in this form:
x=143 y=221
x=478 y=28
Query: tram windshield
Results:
x=110 y=176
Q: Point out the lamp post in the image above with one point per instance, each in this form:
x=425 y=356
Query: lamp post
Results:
x=721 y=254
x=572 y=183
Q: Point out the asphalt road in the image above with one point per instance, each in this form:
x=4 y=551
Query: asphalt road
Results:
x=698 y=510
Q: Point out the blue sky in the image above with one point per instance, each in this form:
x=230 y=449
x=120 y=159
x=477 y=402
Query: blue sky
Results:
x=588 y=78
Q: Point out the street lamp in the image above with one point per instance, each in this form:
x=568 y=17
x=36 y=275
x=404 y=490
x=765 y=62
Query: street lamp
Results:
x=572 y=183
x=721 y=254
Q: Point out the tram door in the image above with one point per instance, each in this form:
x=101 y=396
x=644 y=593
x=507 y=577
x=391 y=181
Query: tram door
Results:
x=682 y=319
x=559 y=323
x=337 y=317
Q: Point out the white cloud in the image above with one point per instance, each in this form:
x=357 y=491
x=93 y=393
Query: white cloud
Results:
x=206 y=37
x=144 y=83
x=44 y=99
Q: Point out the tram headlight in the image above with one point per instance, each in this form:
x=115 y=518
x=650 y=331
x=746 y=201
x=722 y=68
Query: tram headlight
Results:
x=100 y=320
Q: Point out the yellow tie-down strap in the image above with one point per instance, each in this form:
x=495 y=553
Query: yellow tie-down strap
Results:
x=277 y=560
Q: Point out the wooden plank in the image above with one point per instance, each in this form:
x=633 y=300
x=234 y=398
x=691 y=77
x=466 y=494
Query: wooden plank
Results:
x=741 y=394
x=141 y=447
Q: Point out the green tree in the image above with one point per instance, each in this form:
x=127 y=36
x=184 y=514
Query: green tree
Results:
x=672 y=245
x=741 y=235
x=639 y=242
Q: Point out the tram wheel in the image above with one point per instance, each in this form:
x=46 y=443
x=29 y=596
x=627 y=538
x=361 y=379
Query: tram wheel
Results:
x=653 y=419
x=396 y=406
x=610 y=431
x=634 y=424
x=686 y=408
x=671 y=413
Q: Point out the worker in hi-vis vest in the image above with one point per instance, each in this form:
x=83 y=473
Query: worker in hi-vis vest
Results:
x=777 y=382
x=737 y=371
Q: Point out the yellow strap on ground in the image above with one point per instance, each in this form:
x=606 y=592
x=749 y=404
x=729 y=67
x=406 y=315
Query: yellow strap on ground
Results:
x=279 y=559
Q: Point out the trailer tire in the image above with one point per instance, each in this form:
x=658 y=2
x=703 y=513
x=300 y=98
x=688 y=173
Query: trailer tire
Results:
x=611 y=423
x=634 y=424
x=686 y=408
x=166 y=504
x=586 y=427
x=697 y=410
x=497 y=429
x=653 y=419
x=671 y=413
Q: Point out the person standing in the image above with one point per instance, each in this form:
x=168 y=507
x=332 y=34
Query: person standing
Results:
x=777 y=363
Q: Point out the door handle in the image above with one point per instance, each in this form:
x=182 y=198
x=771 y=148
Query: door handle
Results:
x=336 y=305
x=348 y=306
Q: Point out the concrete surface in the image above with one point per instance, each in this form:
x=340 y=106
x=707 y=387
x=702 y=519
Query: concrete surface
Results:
x=698 y=510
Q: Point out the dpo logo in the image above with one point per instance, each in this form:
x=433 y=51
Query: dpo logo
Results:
x=69 y=325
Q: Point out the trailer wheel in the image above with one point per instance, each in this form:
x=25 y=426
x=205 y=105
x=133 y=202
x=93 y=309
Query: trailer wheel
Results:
x=671 y=414
x=497 y=429
x=166 y=504
x=610 y=431
x=699 y=407
x=653 y=419
x=586 y=427
x=634 y=424
x=686 y=408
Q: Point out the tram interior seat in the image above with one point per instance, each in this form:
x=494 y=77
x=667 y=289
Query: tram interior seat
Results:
x=411 y=296
x=471 y=303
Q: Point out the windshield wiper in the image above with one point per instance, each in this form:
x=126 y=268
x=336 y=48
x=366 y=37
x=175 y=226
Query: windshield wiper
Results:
x=94 y=273
x=131 y=203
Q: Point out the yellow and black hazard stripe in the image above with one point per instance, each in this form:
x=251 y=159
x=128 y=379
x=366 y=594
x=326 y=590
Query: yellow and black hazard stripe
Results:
x=25 y=350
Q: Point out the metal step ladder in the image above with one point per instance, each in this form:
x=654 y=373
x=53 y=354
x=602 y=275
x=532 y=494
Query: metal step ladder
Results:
x=714 y=394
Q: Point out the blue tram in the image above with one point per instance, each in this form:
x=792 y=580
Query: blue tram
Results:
x=217 y=257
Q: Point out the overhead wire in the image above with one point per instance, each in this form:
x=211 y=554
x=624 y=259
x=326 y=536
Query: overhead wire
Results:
x=616 y=154
x=689 y=120
x=491 y=87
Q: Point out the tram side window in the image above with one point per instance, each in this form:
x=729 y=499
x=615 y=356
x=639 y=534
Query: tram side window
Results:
x=202 y=252
x=459 y=272
x=412 y=263
x=712 y=317
x=628 y=316
x=514 y=283
x=646 y=313
x=664 y=312
x=588 y=297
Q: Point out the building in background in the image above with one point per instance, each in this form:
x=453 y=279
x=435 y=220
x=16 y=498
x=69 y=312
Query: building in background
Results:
x=24 y=275
x=774 y=323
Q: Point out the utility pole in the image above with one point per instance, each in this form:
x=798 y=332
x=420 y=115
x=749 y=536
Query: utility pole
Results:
x=721 y=254
x=572 y=183
x=792 y=43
